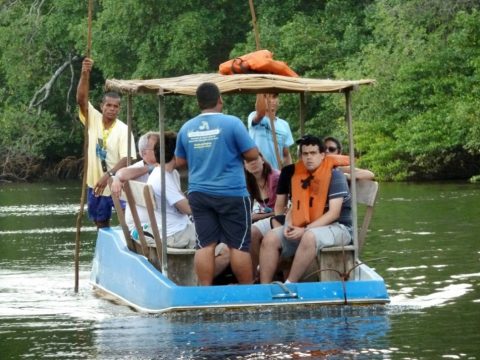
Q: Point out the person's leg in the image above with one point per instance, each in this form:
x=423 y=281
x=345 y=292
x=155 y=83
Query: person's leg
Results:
x=259 y=229
x=222 y=258
x=205 y=264
x=312 y=242
x=270 y=254
x=183 y=239
x=241 y=263
x=305 y=254
x=255 y=247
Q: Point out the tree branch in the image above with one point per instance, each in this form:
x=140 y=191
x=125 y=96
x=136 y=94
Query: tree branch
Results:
x=47 y=88
x=70 y=88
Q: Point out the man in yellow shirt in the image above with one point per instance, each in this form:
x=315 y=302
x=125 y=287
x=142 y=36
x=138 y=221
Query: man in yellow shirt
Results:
x=107 y=147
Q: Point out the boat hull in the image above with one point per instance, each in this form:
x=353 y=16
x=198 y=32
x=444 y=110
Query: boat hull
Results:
x=132 y=279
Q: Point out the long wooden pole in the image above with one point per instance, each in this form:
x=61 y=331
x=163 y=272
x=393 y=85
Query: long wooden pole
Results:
x=255 y=27
x=272 y=118
x=85 y=155
x=274 y=137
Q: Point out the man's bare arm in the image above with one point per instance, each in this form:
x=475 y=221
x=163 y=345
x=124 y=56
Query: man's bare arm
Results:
x=82 y=88
x=251 y=154
x=280 y=204
x=260 y=108
x=332 y=215
x=287 y=157
x=360 y=174
x=180 y=163
x=183 y=206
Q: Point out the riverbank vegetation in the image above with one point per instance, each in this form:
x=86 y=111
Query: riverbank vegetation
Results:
x=421 y=120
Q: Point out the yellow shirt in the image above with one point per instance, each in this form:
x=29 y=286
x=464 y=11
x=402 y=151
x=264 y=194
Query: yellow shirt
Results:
x=117 y=145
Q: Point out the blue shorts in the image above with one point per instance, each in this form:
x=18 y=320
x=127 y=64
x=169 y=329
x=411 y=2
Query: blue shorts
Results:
x=224 y=219
x=99 y=207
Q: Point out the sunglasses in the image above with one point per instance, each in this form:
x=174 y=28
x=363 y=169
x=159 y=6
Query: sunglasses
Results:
x=331 y=149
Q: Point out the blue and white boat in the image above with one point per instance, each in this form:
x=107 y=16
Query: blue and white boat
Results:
x=156 y=279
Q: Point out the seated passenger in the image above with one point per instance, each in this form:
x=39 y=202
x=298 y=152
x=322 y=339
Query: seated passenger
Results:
x=139 y=171
x=180 y=230
x=262 y=182
x=260 y=228
x=334 y=146
x=320 y=215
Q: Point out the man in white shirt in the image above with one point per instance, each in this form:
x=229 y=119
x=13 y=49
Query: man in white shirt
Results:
x=180 y=230
x=139 y=172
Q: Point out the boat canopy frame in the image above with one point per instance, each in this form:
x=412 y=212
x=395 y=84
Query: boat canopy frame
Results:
x=240 y=84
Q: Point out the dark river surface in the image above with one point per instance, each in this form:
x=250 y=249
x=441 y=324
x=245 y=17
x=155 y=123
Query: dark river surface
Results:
x=424 y=241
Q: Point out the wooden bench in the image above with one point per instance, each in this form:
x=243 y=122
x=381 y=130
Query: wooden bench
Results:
x=339 y=260
x=179 y=262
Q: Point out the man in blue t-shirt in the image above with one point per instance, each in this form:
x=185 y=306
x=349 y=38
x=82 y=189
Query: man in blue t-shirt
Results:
x=260 y=130
x=213 y=146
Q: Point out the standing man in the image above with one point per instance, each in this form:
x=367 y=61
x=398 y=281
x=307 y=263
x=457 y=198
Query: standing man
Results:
x=320 y=215
x=107 y=147
x=260 y=130
x=213 y=146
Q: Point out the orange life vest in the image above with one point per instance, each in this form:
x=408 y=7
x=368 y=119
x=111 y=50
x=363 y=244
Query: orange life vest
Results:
x=260 y=61
x=310 y=190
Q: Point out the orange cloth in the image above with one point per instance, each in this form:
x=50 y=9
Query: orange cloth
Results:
x=308 y=202
x=260 y=61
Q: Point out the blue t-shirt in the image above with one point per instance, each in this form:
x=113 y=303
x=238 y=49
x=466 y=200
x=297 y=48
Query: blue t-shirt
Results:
x=212 y=144
x=261 y=133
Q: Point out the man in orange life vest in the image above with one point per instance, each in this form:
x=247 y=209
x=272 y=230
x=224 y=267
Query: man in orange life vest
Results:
x=320 y=215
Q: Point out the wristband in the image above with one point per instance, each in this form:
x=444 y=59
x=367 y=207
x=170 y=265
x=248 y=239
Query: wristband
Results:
x=150 y=168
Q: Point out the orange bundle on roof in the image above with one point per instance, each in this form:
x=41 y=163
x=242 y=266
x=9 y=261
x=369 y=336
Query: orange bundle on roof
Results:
x=260 y=61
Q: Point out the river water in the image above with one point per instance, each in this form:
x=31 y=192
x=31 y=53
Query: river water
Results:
x=423 y=241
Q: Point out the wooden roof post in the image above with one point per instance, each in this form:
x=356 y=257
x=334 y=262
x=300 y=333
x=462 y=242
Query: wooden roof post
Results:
x=302 y=114
x=353 y=182
x=163 y=193
x=129 y=127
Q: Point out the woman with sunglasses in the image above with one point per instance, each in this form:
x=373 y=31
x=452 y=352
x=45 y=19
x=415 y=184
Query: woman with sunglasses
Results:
x=334 y=146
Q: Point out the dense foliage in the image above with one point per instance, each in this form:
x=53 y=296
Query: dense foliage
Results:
x=420 y=121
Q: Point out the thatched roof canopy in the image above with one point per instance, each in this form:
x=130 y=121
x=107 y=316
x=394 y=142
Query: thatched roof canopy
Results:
x=229 y=84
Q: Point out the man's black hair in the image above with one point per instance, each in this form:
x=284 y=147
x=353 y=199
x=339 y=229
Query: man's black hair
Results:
x=170 y=138
x=311 y=140
x=112 y=95
x=207 y=95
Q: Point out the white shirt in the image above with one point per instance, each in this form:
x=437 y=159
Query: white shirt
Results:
x=176 y=221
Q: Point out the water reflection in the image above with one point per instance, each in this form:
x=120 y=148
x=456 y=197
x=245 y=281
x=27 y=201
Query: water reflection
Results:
x=335 y=333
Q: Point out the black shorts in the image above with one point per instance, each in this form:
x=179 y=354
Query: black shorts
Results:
x=224 y=219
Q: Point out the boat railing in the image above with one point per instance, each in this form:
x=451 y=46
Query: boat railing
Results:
x=179 y=261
